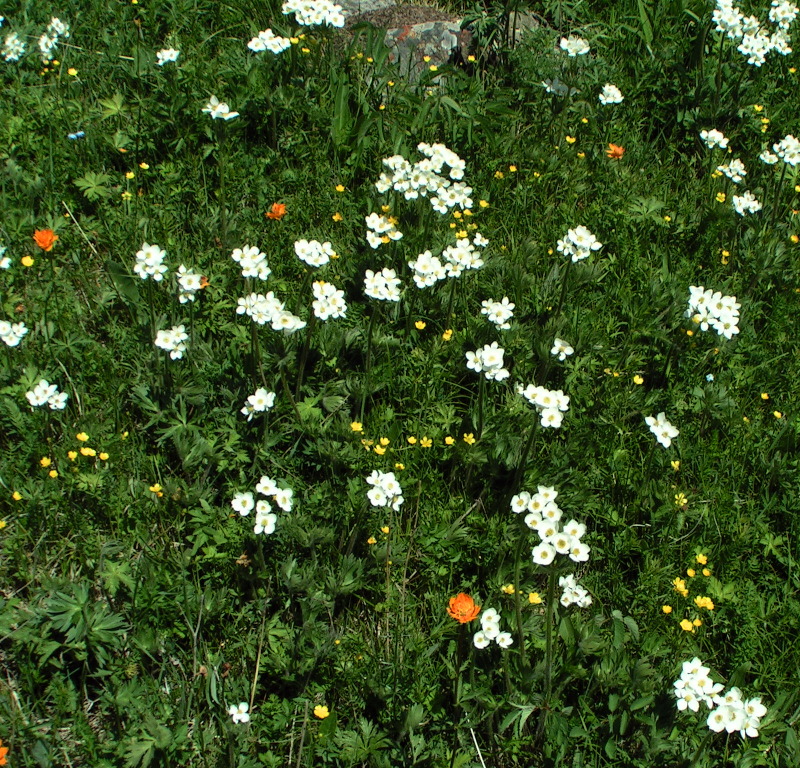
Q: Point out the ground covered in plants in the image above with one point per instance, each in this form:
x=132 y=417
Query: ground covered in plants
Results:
x=355 y=418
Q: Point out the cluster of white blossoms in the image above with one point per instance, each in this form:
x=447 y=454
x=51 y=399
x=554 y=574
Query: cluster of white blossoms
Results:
x=173 y=341
x=746 y=203
x=314 y=253
x=48 y=42
x=12 y=333
x=498 y=312
x=709 y=308
x=263 y=309
x=756 y=41
x=489 y=362
x=425 y=179
x=464 y=255
x=189 y=284
x=768 y=158
x=245 y=503
x=730 y=711
x=13 y=48
x=259 y=402
x=578 y=243
x=252 y=261
x=574 y=46
x=562 y=349
x=428 y=269
x=543 y=515
x=267 y=40
x=551 y=404
x=311 y=13
x=385 y=490
x=328 y=301
x=610 y=94
x=490 y=630
x=166 y=55
x=664 y=431
x=788 y=150
x=45 y=393
x=714 y=138
x=150 y=263
x=573 y=593
x=734 y=170
x=219 y=110
x=383 y=285
x=381 y=229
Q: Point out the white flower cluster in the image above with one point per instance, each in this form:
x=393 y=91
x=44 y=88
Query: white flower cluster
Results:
x=189 y=283
x=714 y=138
x=746 y=203
x=381 y=229
x=490 y=630
x=464 y=255
x=424 y=179
x=219 y=110
x=709 y=308
x=311 y=13
x=173 y=341
x=259 y=402
x=268 y=309
x=245 y=503
x=562 y=349
x=328 y=301
x=165 y=55
x=551 y=404
x=12 y=333
x=428 y=269
x=385 y=491
x=578 y=243
x=5 y=261
x=730 y=711
x=489 y=362
x=574 y=46
x=314 y=253
x=662 y=429
x=734 y=170
x=756 y=41
x=383 y=285
x=543 y=516
x=267 y=40
x=768 y=158
x=788 y=150
x=13 y=47
x=150 y=263
x=573 y=593
x=498 y=312
x=45 y=393
x=610 y=94
x=49 y=40
x=252 y=261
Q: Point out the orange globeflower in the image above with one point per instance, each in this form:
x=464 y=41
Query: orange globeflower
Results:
x=615 y=152
x=277 y=212
x=45 y=239
x=3 y=753
x=463 y=609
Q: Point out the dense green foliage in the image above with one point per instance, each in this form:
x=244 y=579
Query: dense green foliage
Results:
x=137 y=606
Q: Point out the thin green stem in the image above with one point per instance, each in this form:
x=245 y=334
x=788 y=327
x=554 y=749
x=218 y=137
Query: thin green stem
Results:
x=368 y=361
x=518 y=599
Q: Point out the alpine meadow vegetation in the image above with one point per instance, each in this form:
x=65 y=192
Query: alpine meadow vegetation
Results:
x=356 y=416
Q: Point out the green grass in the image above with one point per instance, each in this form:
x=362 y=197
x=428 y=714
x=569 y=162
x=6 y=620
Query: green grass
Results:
x=137 y=606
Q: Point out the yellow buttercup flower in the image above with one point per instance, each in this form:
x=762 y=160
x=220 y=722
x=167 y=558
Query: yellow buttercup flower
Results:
x=512 y=168
x=507 y=589
x=385 y=529
x=534 y=598
x=45 y=461
x=88 y=451
x=379 y=449
x=570 y=139
x=16 y=495
x=449 y=440
x=321 y=712
x=721 y=197
x=448 y=334
x=411 y=440
x=372 y=540
x=339 y=187
x=420 y=325
x=384 y=441
x=72 y=455
x=687 y=625
x=399 y=466
x=701 y=559
x=666 y=608
x=690 y=572
x=82 y=436
x=426 y=442
x=53 y=473
x=337 y=216
x=27 y=261
x=499 y=174
x=356 y=426
x=469 y=438
x=675 y=464
x=483 y=203
x=103 y=456
x=637 y=379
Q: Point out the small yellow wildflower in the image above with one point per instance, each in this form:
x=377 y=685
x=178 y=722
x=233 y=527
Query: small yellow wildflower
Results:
x=433 y=68
x=426 y=59
x=471 y=59
x=483 y=203
x=795 y=239
x=127 y=195
x=321 y=711
x=469 y=438
x=27 y=261
x=680 y=586
x=103 y=456
x=72 y=455
x=53 y=473
x=420 y=325
x=411 y=440
x=570 y=139
x=339 y=187
x=426 y=442
x=337 y=216
x=686 y=625
x=448 y=334
x=637 y=379
x=144 y=166
x=668 y=219
x=681 y=500
x=758 y=107
x=765 y=395
x=534 y=598
x=390 y=83
x=2 y=524
x=704 y=602
x=721 y=197
x=82 y=436
x=581 y=155
x=507 y=589
x=675 y=464
x=706 y=572
x=372 y=540
x=449 y=440
x=698 y=622
x=72 y=72
x=85 y=451
x=381 y=107
x=690 y=572
x=399 y=466
x=512 y=168
x=385 y=529
x=701 y=559
x=499 y=175
x=129 y=175
x=777 y=414
x=461 y=233
x=379 y=449
x=45 y=461
x=666 y=608
x=536 y=174
x=356 y=426
x=16 y=495
x=384 y=441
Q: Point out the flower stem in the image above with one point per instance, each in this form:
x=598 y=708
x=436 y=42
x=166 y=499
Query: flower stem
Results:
x=368 y=362
x=518 y=600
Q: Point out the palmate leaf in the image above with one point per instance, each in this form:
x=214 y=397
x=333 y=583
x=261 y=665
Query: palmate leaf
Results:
x=93 y=185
